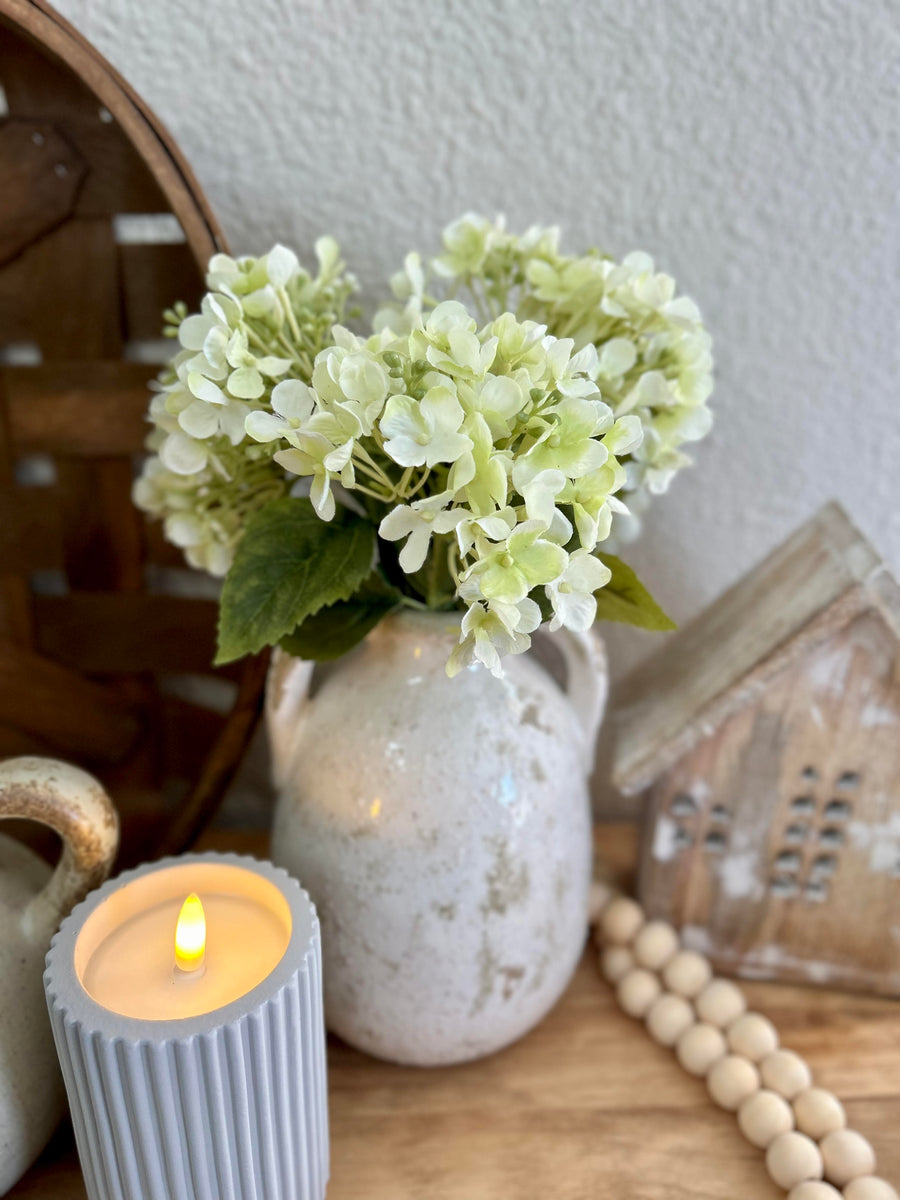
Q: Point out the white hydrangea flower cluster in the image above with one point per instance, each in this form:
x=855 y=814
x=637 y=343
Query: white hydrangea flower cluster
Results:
x=655 y=359
x=262 y=321
x=489 y=453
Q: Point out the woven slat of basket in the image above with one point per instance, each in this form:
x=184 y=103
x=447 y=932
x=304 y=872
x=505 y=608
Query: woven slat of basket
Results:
x=99 y=660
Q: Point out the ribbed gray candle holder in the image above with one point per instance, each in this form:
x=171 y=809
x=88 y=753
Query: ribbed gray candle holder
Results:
x=227 y=1105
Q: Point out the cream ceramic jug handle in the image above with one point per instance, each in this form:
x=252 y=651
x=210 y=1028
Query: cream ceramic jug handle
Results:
x=587 y=682
x=287 y=695
x=75 y=805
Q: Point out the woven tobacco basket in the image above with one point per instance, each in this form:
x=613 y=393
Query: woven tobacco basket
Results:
x=105 y=645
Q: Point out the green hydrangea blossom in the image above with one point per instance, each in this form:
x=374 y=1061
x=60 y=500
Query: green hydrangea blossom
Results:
x=492 y=445
x=655 y=357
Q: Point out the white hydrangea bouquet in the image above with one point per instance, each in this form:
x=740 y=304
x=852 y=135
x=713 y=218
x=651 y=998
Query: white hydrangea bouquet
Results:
x=470 y=456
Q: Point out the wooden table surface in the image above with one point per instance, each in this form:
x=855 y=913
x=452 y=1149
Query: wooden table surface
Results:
x=586 y=1106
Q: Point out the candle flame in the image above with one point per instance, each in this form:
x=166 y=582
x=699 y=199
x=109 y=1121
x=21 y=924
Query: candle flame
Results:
x=190 y=935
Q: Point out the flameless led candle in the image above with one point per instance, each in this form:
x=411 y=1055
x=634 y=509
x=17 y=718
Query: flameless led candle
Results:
x=186 y=1004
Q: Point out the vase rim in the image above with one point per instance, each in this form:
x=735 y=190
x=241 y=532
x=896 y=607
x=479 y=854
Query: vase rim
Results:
x=426 y=621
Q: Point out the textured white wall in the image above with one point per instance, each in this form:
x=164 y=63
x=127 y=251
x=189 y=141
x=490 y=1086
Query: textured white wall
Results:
x=751 y=145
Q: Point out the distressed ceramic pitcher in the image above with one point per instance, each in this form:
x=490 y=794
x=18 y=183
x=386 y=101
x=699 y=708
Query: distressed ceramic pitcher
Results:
x=442 y=827
x=33 y=900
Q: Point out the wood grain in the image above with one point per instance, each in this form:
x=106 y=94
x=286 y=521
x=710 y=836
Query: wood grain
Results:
x=775 y=841
x=78 y=409
x=80 y=283
x=72 y=714
x=586 y=1106
x=809 y=587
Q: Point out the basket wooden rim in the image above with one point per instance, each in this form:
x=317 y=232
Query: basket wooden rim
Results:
x=143 y=128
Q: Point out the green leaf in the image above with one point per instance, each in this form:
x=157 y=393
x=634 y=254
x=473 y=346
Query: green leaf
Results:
x=334 y=630
x=289 y=564
x=625 y=599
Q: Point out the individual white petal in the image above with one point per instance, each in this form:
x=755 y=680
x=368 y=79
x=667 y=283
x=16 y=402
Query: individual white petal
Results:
x=199 y=419
x=297 y=462
x=338 y=458
x=625 y=436
x=402 y=419
x=193 y=330
x=617 y=356
x=398 y=523
x=272 y=366
x=231 y=421
x=414 y=553
x=575 y=610
x=246 y=383
x=183 y=529
x=441 y=407
x=263 y=303
x=639 y=262
x=321 y=497
x=559 y=529
x=586 y=573
x=264 y=426
x=695 y=424
x=214 y=346
x=293 y=399
x=450 y=314
x=205 y=389
x=539 y=491
x=182 y=454
x=281 y=265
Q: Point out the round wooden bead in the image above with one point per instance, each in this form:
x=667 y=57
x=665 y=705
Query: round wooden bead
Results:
x=847 y=1155
x=867 y=1187
x=687 y=973
x=814 y=1190
x=763 y=1116
x=731 y=1080
x=669 y=1018
x=720 y=1003
x=792 y=1158
x=598 y=899
x=615 y=963
x=621 y=920
x=785 y=1073
x=700 y=1047
x=656 y=943
x=637 y=991
x=818 y=1112
x=752 y=1035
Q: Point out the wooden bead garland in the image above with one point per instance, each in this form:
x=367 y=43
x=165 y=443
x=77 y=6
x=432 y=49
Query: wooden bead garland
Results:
x=687 y=974
x=818 y=1112
x=699 y=1047
x=638 y=991
x=847 y=1156
x=731 y=1080
x=656 y=943
x=669 y=1018
x=720 y=1003
x=621 y=920
x=615 y=963
x=763 y=1116
x=867 y=1187
x=752 y=1035
x=793 y=1158
x=814 y=1190
x=785 y=1073
x=809 y=1152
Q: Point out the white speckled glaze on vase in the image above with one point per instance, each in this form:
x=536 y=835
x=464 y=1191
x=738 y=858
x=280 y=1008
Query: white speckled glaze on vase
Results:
x=443 y=829
x=33 y=900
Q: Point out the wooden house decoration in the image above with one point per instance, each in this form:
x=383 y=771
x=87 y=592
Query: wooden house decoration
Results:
x=765 y=739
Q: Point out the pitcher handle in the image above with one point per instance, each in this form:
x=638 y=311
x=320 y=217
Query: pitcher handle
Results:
x=75 y=805
x=587 y=682
x=287 y=699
